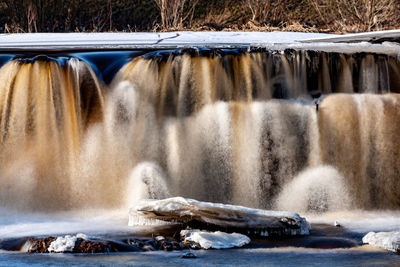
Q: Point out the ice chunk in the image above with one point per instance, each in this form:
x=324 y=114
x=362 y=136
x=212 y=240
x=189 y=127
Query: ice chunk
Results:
x=63 y=244
x=82 y=236
x=217 y=240
x=66 y=243
x=386 y=240
x=239 y=218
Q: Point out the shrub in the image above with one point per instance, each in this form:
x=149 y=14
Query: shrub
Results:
x=175 y=12
x=357 y=15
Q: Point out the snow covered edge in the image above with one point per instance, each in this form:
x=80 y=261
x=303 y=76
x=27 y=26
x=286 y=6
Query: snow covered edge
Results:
x=251 y=221
x=178 y=40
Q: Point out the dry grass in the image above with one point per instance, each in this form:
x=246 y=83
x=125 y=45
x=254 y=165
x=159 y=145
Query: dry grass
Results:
x=266 y=11
x=175 y=13
x=357 y=15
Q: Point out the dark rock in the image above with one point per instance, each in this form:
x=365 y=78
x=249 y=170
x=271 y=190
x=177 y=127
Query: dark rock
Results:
x=153 y=243
x=135 y=242
x=117 y=246
x=88 y=246
x=166 y=245
x=176 y=245
x=189 y=255
x=148 y=248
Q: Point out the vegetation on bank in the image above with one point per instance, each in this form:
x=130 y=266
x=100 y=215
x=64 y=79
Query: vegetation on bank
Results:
x=169 y=15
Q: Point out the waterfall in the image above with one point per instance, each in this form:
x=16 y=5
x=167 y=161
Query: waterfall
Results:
x=250 y=128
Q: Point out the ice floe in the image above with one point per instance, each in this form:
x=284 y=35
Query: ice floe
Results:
x=217 y=240
x=386 y=240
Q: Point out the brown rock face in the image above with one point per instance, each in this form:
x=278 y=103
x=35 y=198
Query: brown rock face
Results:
x=86 y=246
x=40 y=245
x=81 y=245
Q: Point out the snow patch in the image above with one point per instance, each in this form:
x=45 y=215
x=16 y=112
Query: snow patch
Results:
x=66 y=243
x=217 y=240
x=386 y=240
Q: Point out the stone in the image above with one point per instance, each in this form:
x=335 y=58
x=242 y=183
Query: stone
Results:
x=74 y=244
x=33 y=245
x=215 y=216
x=189 y=255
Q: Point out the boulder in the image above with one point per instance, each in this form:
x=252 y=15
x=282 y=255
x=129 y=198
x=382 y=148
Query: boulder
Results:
x=79 y=243
x=215 y=216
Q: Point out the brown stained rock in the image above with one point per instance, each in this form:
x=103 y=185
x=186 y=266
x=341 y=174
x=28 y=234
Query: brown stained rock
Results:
x=34 y=245
x=40 y=245
x=86 y=246
x=81 y=246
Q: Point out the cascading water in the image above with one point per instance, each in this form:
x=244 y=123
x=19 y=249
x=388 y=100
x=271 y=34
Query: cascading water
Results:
x=45 y=107
x=217 y=125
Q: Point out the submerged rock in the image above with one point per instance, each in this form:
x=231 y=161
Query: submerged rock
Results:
x=189 y=255
x=221 y=216
x=217 y=240
x=386 y=240
x=157 y=243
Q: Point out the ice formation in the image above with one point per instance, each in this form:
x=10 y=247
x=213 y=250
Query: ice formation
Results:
x=217 y=240
x=66 y=243
x=386 y=240
x=255 y=221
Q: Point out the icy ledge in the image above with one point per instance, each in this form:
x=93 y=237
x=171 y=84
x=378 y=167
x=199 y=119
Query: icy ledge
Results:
x=386 y=240
x=215 y=215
